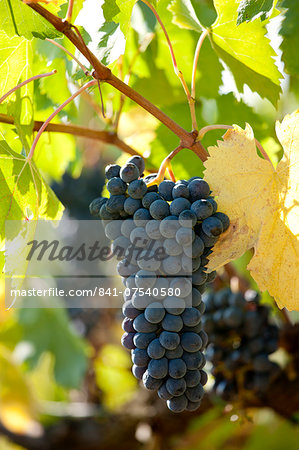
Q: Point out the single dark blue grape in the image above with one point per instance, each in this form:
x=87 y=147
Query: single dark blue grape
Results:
x=172 y=323
x=158 y=368
x=125 y=269
x=190 y=342
x=127 y=226
x=119 y=246
x=116 y=186
x=196 y=329
x=112 y=171
x=194 y=360
x=142 y=325
x=197 y=247
x=199 y=277
x=177 y=368
x=153 y=384
x=172 y=265
x=137 y=189
x=154 y=313
x=211 y=276
x=141 y=217
x=195 y=394
x=169 y=227
x=140 y=357
x=224 y=219
x=127 y=340
x=185 y=236
x=129 y=310
x=152 y=229
x=177 y=404
x=180 y=190
x=139 y=238
x=193 y=406
x=127 y=325
x=142 y=340
x=155 y=349
x=191 y=317
x=129 y=173
x=145 y=279
x=149 y=198
x=204 y=337
x=115 y=204
x=174 y=354
x=213 y=203
x=147 y=260
x=192 y=378
x=196 y=297
x=141 y=301
x=202 y=209
x=174 y=305
x=113 y=229
x=172 y=248
x=169 y=340
x=179 y=205
x=165 y=189
x=231 y=298
x=196 y=264
x=207 y=240
x=199 y=189
x=176 y=387
x=163 y=393
x=138 y=371
x=131 y=205
x=203 y=377
x=104 y=214
x=183 y=284
x=159 y=209
x=212 y=226
x=187 y=218
x=96 y=205
x=138 y=161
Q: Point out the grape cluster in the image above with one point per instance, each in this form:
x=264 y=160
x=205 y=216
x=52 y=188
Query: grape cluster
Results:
x=163 y=327
x=241 y=338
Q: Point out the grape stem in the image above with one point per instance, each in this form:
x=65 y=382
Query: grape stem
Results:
x=85 y=70
x=164 y=166
x=45 y=124
x=204 y=130
x=69 y=13
x=178 y=72
x=195 y=61
x=35 y=77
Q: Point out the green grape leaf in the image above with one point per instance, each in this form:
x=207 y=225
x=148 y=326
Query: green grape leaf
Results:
x=48 y=156
x=252 y=9
x=24 y=193
x=290 y=44
x=48 y=330
x=246 y=51
x=184 y=15
x=108 y=49
x=15 y=61
x=119 y=11
x=16 y=18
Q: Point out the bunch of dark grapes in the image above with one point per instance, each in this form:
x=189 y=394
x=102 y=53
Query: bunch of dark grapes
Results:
x=241 y=338
x=163 y=305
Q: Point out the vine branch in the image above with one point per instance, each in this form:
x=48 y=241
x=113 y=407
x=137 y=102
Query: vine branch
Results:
x=104 y=136
x=104 y=74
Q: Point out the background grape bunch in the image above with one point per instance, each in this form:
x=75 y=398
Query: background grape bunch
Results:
x=241 y=338
x=163 y=332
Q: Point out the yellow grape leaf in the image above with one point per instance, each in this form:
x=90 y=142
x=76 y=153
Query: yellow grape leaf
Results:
x=263 y=206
